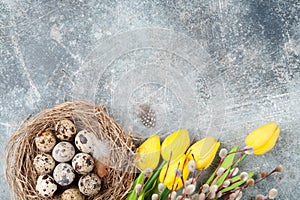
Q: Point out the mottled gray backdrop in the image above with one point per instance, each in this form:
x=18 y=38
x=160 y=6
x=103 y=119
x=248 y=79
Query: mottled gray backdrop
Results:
x=219 y=67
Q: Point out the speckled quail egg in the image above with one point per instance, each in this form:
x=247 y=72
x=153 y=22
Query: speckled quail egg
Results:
x=83 y=163
x=89 y=184
x=65 y=130
x=73 y=194
x=45 y=141
x=43 y=163
x=84 y=141
x=46 y=186
x=63 y=152
x=63 y=174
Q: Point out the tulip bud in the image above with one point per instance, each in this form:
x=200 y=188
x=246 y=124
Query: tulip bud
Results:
x=148 y=153
x=204 y=152
x=263 y=138
x=176 y=143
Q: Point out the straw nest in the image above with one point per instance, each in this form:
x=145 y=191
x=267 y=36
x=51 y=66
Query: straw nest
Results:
x=21 y=150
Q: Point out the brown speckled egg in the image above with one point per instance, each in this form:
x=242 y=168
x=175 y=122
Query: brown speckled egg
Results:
x=84 y=141
x=45 y=141
x=65 y=130
x=46 y=186
x=63 y=152
x=63 y=174
x=89 y=184
x=43 y=163
x=83 y=163
x=72 y=194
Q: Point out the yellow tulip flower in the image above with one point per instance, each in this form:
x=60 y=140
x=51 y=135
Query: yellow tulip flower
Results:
x=171 y=173
x=177 y=143
x=204 y=152
x=263 y=138
x=148 y=153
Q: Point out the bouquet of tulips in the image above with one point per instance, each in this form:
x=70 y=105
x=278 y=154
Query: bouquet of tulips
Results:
x=178 y=177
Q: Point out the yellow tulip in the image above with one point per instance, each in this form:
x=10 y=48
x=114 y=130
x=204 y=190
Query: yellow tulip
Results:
x=263 y=138
x=204 y=152
x=171 y=173
x=148 y=153
x=177 y=143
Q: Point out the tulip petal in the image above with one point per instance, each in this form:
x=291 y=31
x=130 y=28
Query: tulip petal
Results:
x=204 y=152
x=177 y=143
x=171 y=175
x=263 y=138
x=148 y=153
x=269 y=144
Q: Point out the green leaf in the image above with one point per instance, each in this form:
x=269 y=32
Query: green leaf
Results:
x=241 y=160
x=132 y=193
x=152 y=180
x=226 y=165
x=165 y=194
x=152 y=190
x=236 y=182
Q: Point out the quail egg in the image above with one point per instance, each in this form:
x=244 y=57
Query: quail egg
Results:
x=45 y=141
x=43 y=163
x=84 y=141
x=63 y=152
x=83 y=163
x=63 y=174
x=46 y=186
x=73 y=194
x=65 y=130
x=89 y=184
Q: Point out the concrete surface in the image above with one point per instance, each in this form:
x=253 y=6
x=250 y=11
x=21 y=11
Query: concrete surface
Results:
x=220 y=67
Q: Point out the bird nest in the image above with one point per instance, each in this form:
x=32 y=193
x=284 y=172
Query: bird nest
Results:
x=22 y=149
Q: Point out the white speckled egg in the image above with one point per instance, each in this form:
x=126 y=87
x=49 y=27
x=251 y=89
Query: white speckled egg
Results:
x=45 y=141
x=43 y=163
x=73 y=194
x=89 y=184
x=63 y=174
x=63 y=152
x=65 y=130
x=84 y=141
x=83 y=163
x=46 y=186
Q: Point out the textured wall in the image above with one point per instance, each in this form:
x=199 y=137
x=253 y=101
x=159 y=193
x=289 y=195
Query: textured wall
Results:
x=220 y=67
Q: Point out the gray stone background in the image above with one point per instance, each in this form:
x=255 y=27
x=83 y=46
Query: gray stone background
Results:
x=220 y=67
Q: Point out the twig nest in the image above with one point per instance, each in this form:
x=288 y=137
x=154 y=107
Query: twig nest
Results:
x=46 y=186
x=83 y=163
x=45 y=141
x=65 y=130
x=63 y=152
x=89 y=184
x=64 y=174
x=84 y=141
x=29 y=165
x=43 y=163
x=72 y=194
